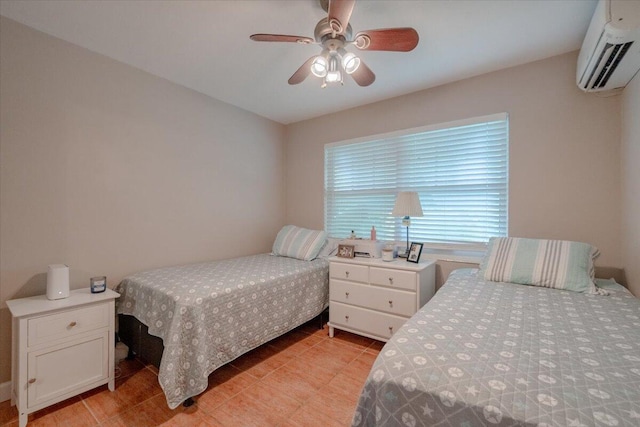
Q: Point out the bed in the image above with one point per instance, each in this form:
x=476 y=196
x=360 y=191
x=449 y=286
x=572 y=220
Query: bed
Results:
x=483 y=352
x=202 y=316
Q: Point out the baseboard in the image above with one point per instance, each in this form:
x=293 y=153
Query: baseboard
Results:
x=5 y=391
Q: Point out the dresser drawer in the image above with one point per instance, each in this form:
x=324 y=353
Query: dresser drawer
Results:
x=393 y=278
x=392 y=301
x=357 y=273
x=368 y=321
x=67 y=324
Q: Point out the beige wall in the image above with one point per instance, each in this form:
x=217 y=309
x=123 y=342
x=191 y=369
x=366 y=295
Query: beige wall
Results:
x=111 y=170
x=564 y=149
x=630 y=167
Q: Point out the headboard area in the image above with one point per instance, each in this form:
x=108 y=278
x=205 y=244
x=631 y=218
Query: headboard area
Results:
x=444 y=268
x=612 y=273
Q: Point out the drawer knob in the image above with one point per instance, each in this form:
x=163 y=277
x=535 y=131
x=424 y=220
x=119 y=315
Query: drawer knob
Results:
x=391 y=280
x=32 y=380
x=72 y=324
x=346 y=294
x=390 y=303
x=390 y=329
x=346 y=273
x=346 y=318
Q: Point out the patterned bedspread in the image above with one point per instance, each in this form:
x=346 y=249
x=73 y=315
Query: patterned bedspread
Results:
x=485 y=353
x=209 y=314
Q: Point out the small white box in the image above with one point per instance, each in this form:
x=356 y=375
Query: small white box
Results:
x=57 y=281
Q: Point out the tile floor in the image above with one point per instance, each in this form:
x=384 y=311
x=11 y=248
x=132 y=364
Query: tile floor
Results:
x=303 y=378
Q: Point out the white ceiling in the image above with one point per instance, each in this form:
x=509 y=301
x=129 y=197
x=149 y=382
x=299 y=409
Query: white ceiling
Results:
x=205 y=46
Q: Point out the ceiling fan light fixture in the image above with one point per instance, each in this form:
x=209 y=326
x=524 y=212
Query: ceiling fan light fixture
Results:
x=333 y=33
x=350 y=63
x=319 y=66
x=334 y=76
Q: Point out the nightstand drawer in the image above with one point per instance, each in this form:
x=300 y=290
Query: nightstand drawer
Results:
x=393 y=278
x=67 y=324
x=369 y=321
x=392 y=301
x=356 y=273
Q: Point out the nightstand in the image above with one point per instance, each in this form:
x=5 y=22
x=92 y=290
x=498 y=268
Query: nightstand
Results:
x=60 y=348
x=374 y=298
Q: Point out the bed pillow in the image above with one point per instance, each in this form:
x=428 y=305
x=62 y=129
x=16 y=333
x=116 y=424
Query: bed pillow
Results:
x=558 y=264
x=300 y=243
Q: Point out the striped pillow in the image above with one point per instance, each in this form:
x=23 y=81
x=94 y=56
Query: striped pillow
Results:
x=300 y=243
x=556 y=264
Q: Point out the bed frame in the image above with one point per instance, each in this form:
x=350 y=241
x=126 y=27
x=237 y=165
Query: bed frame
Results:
x=135 y=335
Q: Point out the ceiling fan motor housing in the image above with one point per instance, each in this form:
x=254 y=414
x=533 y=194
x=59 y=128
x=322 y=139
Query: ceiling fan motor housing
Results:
x=328 y=37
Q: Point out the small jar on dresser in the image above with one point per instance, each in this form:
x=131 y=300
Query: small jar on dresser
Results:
x=373 y=298
x=60 y=348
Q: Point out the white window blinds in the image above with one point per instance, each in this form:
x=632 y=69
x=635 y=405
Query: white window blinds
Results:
x=459 y=169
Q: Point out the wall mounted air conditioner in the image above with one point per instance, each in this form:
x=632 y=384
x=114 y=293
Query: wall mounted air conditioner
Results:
x=610 y=54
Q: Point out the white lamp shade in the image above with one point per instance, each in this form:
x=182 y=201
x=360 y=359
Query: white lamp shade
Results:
x=333 y=76
x=319 y=66
x=407 y=204
x=350 y=63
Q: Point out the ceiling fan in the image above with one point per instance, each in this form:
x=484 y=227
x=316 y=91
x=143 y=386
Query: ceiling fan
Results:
x=334 y=33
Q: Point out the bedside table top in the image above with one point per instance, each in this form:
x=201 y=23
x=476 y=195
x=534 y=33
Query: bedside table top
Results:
x=40 y=304
x=397 y=264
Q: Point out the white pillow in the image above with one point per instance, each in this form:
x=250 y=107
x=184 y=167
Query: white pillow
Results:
x=299 y=243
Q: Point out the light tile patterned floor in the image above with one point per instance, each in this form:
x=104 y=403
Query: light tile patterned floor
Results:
x=303 y=378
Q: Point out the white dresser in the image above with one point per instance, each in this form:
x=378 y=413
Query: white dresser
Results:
x=60 y=348
x=374 y=298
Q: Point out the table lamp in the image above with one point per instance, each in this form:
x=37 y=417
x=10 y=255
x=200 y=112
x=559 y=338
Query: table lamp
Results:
x=407 y=205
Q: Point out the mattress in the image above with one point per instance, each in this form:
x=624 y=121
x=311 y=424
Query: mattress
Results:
x=208 y=314
x=487 y=353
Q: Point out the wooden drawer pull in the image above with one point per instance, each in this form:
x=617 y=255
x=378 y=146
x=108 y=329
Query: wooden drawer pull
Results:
x=390 y=303
x=32 y=380
x=391 y=280
x=346 y=273
x=346 y=318
x=346 y=294
x=72 y=324
x=390 y=329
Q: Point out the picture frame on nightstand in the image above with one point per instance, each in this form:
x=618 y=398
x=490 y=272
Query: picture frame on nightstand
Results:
x=346 y=251
x=414 y=252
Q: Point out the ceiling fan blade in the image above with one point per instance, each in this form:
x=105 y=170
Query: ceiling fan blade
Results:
x=363 y=75
x=390 y=39
x=339 y=14
x=302 y=72
x=281 y=38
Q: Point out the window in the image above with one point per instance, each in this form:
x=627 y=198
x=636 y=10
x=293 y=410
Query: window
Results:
x=459 y=169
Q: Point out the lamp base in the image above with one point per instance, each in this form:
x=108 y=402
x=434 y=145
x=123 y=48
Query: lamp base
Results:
x=403 y=255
